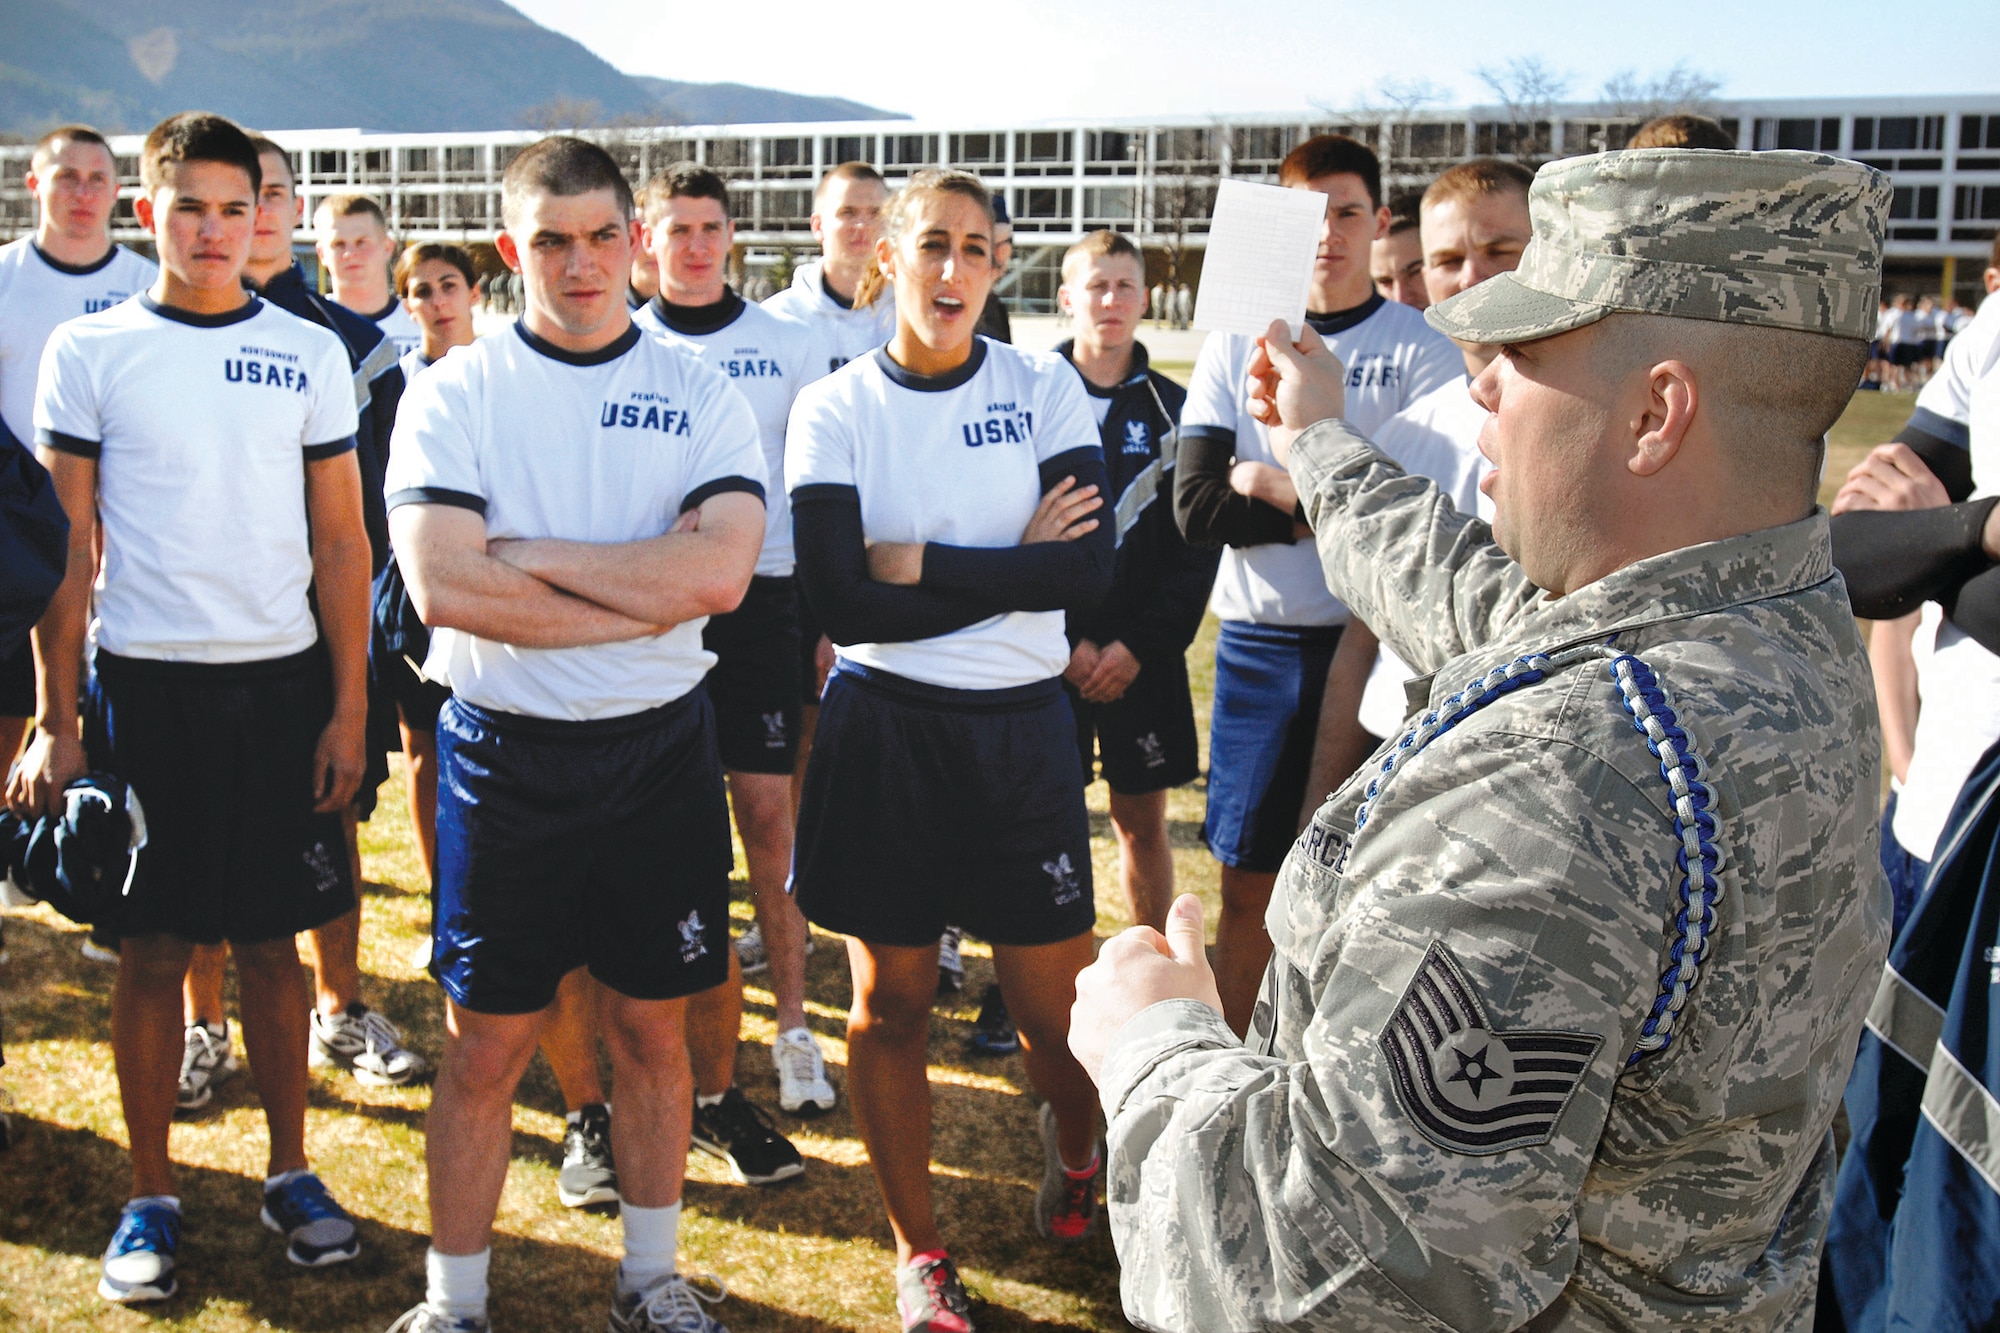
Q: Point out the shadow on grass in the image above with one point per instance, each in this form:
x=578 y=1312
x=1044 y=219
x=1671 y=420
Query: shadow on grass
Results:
x=64 y=1187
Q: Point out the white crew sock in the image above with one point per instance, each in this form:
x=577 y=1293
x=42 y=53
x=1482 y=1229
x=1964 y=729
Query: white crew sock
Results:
x=716 y=1100
x=455 y=1284
x=651 y=1236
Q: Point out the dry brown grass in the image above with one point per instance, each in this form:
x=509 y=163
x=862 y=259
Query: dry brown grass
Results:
x=813 y=1254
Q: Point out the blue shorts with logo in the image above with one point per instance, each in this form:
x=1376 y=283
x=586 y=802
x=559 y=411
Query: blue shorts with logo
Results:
x=1269 y=680
x=221 y=756
x=569 y=844
x=925 y=806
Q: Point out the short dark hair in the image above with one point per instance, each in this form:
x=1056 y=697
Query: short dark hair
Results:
x=45 y=146
x=1403 y=211
x=197 y=136
x=423 y=252
x=1682 y=129
x=848 y=171
x=562 y=165
x=685 y=181
x=1333 y=155
x=267 y=147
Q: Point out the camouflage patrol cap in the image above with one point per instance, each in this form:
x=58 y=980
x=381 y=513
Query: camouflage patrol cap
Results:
x=1783 y=240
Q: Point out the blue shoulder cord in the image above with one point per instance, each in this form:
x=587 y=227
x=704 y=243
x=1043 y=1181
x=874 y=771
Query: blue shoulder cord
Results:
x=1699 y=855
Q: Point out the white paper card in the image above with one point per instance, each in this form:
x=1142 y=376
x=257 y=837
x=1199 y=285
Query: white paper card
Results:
x=1261 y=246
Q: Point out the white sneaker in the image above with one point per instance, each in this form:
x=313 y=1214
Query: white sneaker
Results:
x=951 y=967
x=206 y=1060
x=362 y=1040
x=802 y=1084
x=750 y=951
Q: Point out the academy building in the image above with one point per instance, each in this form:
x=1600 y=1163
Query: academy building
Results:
x=1152 y=178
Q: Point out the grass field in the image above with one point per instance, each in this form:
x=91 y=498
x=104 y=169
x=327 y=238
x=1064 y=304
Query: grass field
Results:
x=811 y=1254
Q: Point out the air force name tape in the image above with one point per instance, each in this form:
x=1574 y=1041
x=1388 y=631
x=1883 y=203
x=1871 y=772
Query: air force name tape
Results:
x=1467 y=1087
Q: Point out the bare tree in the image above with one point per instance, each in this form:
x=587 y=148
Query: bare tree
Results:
x=562 y=115
x=1680 y=89
x=1390 y=103
x=1186 y=163
x=1527 y=91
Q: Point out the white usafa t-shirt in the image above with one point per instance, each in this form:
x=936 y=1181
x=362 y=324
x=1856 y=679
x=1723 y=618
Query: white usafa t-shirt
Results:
x=36 y=294
x=769 y=360
x=605 y=446
x=1437 y=437
x=842 y=333
x=1393 y=358
x=202 y=426
x=954 y=459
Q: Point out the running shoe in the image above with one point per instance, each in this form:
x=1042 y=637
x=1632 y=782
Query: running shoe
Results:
x=317 y=1230
x=751 y=954
x=750 y=951
x=139 y=1262
x=671 y=1305
x=362 y=1040
x=206 y=1061
x=1066 y=1207
x=802 y=1084
x=931 y=1299
x=951 y=966
x=739 y=1132
x=993 y=1031
x=423 y=1319
x=588 y=1174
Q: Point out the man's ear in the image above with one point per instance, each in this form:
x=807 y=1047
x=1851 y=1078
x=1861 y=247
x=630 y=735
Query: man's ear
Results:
x=142 y=208
x=510 y=253
x=1672 y=398
x=885 y=257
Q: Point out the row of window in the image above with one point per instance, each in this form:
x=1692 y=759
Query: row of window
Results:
x=1919 y=143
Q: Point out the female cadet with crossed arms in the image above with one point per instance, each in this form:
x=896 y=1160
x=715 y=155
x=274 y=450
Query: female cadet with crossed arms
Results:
x=943 y=489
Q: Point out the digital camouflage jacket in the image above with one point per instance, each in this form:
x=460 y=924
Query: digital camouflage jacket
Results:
x=1432 y=1124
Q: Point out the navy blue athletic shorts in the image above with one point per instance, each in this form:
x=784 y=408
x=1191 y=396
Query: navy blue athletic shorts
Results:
x=925 y=806
x=17 y=682
x=1269 y=680
x=754 y=683
x=222 y=759
x=569 y=844
x=1144 y=739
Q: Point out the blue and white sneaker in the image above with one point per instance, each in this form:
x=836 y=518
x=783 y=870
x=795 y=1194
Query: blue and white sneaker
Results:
x=139 y=1262
x=317 y=1230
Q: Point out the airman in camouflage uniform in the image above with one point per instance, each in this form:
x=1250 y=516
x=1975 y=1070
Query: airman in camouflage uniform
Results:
x=1568 y=979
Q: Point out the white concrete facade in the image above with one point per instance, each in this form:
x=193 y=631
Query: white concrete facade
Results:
x=1153 y=178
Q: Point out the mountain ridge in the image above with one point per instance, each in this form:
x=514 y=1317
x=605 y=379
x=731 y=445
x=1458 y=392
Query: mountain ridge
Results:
x=406 y=66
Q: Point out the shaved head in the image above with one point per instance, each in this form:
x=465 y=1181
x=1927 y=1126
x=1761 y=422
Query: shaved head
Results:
x=1770 y=394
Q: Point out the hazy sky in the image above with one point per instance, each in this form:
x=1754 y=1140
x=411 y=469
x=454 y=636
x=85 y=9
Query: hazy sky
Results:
x=1034 y=59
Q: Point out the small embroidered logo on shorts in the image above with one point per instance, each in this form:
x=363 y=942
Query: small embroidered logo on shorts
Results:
x=1467 y=1087
x=1066 y=889
x=1154 y=753
x=326 y=875
x=774 y=730
x=694 y=938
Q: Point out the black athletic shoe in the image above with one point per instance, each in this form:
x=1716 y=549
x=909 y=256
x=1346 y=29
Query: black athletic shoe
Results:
x=993 y=1031
x=588 y=1175
x=738 y=1132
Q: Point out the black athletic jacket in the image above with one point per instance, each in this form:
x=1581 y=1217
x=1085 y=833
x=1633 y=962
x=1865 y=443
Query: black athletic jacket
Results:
x=1159 y=584
x=378 y=388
